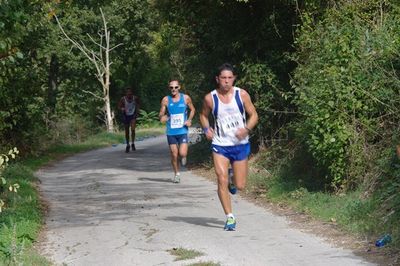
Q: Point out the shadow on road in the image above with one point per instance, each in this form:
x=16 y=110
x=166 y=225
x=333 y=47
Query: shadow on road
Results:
x=203 y=221
x=165 y=180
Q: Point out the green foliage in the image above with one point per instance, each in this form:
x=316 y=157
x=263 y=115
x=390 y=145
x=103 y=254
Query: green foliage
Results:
x=21 y=218
x=352 y=211
x=4 y=181
x=213 y=32
x=345 y=85
x=387 y=195
x=148 y=119
x=21 y=101
x=271 y=99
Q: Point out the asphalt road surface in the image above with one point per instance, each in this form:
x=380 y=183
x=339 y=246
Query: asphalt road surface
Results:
x=108 y=207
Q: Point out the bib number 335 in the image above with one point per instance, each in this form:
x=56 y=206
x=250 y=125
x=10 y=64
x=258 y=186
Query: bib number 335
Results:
x=177 y=120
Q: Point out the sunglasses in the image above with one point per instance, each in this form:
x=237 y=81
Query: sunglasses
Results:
x=172 y=87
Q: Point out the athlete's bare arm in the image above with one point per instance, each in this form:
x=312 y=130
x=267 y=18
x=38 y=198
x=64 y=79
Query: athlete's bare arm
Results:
x=205 y=112
x=162 y=114
x=121 y=104
x=189 y=103
x=252 y=116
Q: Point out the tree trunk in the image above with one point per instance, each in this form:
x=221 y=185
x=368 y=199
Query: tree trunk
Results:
x=102 y=65
x=52 y=89
x=108 y=114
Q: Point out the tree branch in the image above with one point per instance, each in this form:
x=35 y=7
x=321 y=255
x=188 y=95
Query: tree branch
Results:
x=93 y=94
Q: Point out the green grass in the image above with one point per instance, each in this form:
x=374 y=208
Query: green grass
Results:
x=356 y=212
x=22 y=217
x=185 y=254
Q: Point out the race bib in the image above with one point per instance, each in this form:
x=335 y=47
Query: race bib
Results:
x=231 y=123
x=177 y=120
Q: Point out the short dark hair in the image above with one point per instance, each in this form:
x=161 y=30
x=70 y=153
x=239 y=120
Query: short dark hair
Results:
x=174 y=79
x=226 y=66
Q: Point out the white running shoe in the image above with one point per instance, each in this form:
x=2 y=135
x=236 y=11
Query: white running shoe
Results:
x=183 y=161
x=177 y=178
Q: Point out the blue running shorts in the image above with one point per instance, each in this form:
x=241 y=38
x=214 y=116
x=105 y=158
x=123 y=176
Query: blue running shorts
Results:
x=177 y=139
x=233 y=153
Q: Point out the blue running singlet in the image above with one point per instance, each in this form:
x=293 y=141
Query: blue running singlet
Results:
x=177 y=116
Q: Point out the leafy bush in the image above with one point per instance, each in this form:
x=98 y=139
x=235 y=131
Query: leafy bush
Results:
x=347 y=85
x=270 y=99
x=387 y=195
x=21 y=219
x=12 y=187
x=148 y=119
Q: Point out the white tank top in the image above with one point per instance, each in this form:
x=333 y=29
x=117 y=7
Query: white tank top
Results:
x=129 y=106
x=227 y=119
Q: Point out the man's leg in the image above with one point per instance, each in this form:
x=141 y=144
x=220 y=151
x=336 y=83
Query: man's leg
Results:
x=127 y=137
x=183 y=150
x=221 y=165
x=133 y=133
x=240 y=170
x=174 y=157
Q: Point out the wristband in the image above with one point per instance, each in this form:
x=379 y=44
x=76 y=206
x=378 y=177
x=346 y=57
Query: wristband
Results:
x=205 y=130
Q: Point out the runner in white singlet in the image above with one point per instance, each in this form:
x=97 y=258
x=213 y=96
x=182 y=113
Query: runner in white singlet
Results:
x=129 y=106
x=230 y=135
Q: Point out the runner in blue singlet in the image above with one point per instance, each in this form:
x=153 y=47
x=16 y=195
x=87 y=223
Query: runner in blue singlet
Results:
x=229 y=106
x=173 y=112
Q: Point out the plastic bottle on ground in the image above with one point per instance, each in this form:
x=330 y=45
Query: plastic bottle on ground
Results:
x=383 y=240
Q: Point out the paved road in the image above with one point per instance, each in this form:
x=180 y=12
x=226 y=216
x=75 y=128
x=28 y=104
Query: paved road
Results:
x=112 y=208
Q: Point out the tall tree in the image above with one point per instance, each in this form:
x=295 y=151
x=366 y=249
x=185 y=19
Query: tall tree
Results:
x=101 y=60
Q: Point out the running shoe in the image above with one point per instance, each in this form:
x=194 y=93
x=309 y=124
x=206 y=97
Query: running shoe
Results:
x=183 y=161
x=133 y=147
x=231 y=186
x=127 y=148
x=230 y=224
x=177 y=178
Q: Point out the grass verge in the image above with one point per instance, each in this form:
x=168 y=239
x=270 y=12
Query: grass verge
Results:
x=359 y=214
x=22 y=217
x=185 y=254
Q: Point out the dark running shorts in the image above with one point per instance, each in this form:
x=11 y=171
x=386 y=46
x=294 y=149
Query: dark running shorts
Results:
x=127 y=119
x=177 y=139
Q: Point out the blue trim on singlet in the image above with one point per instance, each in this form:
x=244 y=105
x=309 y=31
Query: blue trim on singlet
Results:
x=215 y=111
x=239 y=102
x=179 y=107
